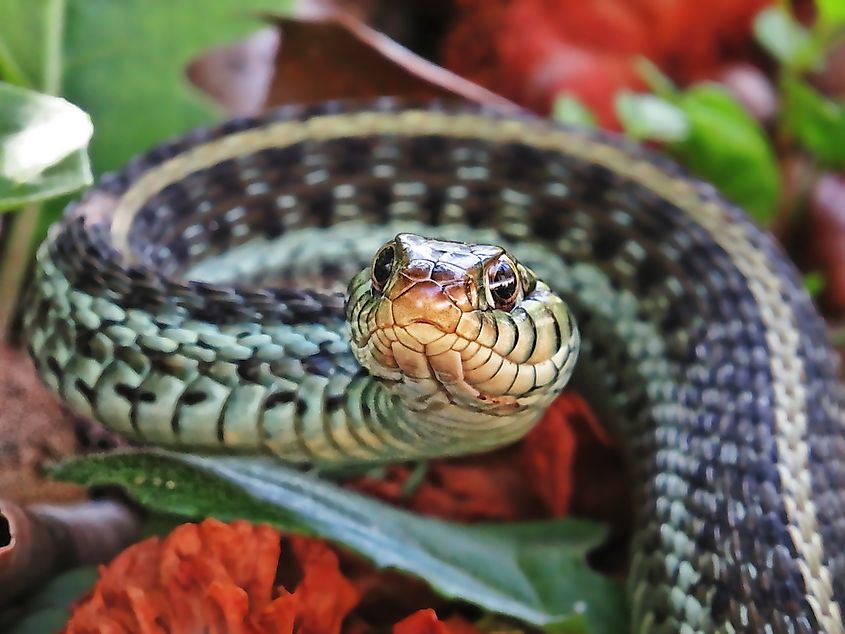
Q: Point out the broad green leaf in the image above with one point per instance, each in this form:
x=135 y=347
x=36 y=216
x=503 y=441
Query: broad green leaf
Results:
x=647 y=116
x=728 y=148
x=816 y=121
x=534 y=572
x=786 y=39
x=124 y=62
x=43 y=143
x=569 y=109
x=25 y=31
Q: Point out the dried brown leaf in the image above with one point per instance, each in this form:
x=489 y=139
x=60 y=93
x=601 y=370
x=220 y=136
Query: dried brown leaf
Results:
x=827 y=238
x=238 y=76
x=338 y=56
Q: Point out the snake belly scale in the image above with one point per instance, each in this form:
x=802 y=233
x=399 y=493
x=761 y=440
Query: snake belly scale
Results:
x=196 y=299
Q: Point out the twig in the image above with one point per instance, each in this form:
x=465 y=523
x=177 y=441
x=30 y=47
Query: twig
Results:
x=14 y=263
x=39 y=540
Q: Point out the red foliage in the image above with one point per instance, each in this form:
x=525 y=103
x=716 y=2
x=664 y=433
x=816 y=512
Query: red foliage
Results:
x=531 y=51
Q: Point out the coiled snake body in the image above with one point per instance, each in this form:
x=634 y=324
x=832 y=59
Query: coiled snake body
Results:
x=195 y=299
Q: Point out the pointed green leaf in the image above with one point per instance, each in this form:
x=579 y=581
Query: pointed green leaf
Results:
x=817 y=122
x=786 y=39
x=729 y=149
x=534 y=572
x=571 y=110
x=658 y=81
x=647 y=116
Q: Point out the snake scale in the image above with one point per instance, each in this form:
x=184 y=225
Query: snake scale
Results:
x=197 y=299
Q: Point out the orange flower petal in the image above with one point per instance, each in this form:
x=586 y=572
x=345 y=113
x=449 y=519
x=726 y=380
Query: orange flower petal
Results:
x=211 y=576
x=325 y=595
x=426 y=622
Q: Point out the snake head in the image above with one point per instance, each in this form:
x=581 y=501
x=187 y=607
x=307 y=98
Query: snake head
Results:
x=463 y=326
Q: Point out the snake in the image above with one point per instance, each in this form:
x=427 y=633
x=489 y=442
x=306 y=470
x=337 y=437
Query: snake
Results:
x=356 y=283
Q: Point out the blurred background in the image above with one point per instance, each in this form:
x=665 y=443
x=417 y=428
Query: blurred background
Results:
x=747 y=94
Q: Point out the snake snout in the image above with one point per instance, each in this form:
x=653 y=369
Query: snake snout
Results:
x=425 y=303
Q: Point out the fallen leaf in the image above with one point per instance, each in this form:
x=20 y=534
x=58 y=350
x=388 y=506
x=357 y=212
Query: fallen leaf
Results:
x=238 y=76
x=341 y=57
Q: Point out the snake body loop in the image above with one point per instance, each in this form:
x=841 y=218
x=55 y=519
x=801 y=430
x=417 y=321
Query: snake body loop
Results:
x=197 y=299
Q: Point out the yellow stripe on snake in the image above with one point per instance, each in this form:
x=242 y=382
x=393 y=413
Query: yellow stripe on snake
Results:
x=347 y=284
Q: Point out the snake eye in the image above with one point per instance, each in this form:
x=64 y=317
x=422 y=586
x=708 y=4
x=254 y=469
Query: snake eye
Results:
x=383 y=267
x=503 y=284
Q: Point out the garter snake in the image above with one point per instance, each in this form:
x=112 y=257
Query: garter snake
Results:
x=196 y=299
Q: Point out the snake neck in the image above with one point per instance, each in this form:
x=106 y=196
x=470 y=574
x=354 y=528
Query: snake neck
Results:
x=377 y=423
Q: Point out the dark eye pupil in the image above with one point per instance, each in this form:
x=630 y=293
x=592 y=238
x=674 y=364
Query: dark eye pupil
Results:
x=503 y=285
x=383 y=266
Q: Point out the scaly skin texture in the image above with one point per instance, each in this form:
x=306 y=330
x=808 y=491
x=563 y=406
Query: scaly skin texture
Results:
x=699 y=345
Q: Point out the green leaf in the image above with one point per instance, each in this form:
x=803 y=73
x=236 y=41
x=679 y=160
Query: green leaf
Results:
x=534 y=572
x=47 y=610
x=831 y=12
x=63 y=590
x=786 y=39
x=814 y=282
x=570 y=109
x=25 y=28
x=46 y=620
x=658 y=81
x=729 y=149
x=124 y=62
x=816 y=121
x=43 y=143
x=651 y=117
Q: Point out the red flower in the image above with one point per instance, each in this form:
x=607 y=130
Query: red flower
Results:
x=217 y=578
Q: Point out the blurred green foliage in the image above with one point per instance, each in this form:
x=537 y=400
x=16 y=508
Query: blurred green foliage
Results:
x=712 y=135
x=817 y=122
x=727 y=147
x=569 y=109
x=122 y=62
x=47 y=609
